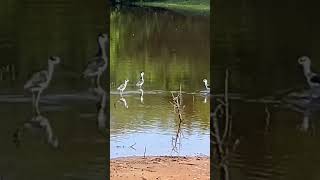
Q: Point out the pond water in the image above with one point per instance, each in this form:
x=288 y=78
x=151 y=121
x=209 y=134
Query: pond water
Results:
x=67 y=144
x=172 y=50
x=274 y=121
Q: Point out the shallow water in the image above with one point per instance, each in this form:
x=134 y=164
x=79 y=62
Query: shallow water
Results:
x=171 y=49
x=278 y=138
x=152 y=125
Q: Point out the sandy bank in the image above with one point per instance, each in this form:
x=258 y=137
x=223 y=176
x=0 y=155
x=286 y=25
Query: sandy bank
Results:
x=160 y=168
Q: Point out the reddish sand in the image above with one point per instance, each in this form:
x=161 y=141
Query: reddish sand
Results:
x=160 y=168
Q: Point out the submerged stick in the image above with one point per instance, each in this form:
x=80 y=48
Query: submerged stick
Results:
x=132 y=146
x=178 y=109
x=266 y=109
x=226 y=102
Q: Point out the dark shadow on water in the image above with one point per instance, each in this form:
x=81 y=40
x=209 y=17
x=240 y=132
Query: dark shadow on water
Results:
x=65 y=140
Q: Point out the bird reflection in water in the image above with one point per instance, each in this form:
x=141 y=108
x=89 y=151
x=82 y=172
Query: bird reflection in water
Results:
x=306 y=106
x=141 y=95
x=38 y=123
x=205 y=100
x=123 y=101
x=101 y=117
x=305 y=123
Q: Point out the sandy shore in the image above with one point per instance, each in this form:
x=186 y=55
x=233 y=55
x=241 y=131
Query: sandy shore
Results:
x=160 y=168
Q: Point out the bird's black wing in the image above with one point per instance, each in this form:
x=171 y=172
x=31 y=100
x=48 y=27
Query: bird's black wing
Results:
x=92 y=67
x=36 y=79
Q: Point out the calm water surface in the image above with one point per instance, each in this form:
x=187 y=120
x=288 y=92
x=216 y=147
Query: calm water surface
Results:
x=71 y=146
x=171 y=49
x=278 y=131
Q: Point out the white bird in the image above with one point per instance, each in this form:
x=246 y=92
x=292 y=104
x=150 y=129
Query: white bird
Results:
x=141 y=80
x=99 y=64
x=123 y=86
x=312 y=78
x=206 y=84
x=40 y=81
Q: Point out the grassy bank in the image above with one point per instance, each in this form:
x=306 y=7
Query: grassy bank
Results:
x=188 y=6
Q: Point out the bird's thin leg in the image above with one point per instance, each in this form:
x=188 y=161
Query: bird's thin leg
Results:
x=33 y=101
x=33 y=98
x=98 y=81
x=37 y=102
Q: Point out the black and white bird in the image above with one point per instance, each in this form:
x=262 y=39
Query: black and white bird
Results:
x=141 y=80
x=123 y=86
x=99 y=64
x=206 y=84
x=312 y=78
x=40 y=81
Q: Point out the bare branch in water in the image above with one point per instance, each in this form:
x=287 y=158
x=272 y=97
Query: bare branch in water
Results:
x=226 y=101
x=178 y=109
x=132 y=146
x=267 y=127
x=222 y=131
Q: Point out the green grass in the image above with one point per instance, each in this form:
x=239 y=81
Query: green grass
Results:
x=187 y=6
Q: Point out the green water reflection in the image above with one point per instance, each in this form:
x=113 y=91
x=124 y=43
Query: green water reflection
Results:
x=261 y=44
x=171 y=49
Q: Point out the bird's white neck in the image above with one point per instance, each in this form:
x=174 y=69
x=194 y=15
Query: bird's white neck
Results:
x=103 y=50
x=103 y=101
x=50 y=71
x=206 y=84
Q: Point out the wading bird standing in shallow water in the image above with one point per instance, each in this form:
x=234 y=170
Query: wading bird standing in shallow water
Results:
x=40 y=81
x=123 y=86
x=313 y=79
x=141 y=80
x=99 y=64
x=206 y=84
